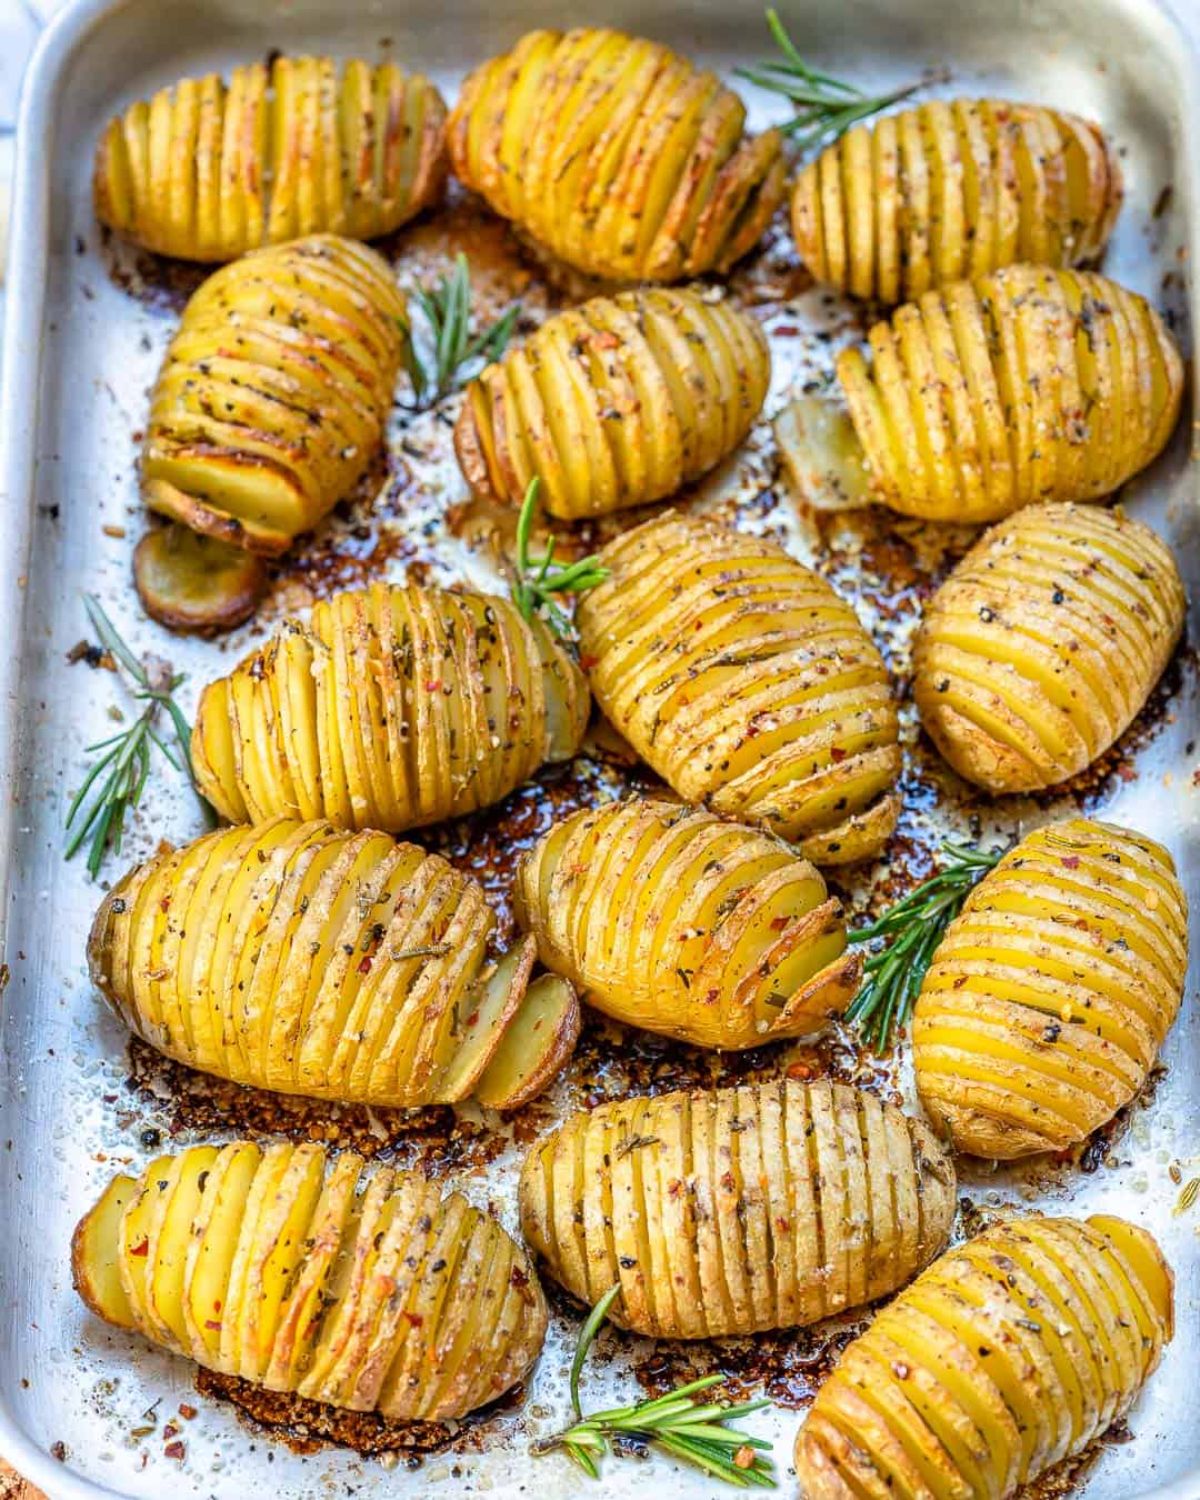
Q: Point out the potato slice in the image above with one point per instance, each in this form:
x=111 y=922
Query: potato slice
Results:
x=96 y=1256
x=171 y=1239
x=535 y=1047
x=822 y=456
x=190 y=582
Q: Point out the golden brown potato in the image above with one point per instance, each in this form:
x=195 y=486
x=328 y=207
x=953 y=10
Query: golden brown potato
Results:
x=365 y=1290
x=615 y=403
x=343 y=966
x=1026 y=386
x=738 y=1210
x=191 y=582
x=391 y=708
x=207 y=170
x=1008 y=1354
x=274 y=392
x=746 y=683
x=673 y=920
x=1043 y=644
x=617 y=155
x=1047 y=1000
x=953 y=189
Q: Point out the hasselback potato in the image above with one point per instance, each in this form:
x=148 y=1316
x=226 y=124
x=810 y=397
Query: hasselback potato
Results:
x=615 y=403
x=745 y=682
x=1047 y=1000
x=368 y=1291
x=274 y=391
x=207 y=170
x=344 y=966
x=1044 y=642
x=673 y=920
x=954 y=189
x=1026 y=386
x=391 y=708
x=737 y=1210
x=1009 y=1353
x=617 y=155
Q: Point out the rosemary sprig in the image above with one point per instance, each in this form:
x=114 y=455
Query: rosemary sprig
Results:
x=912 y=930
x=695 y=1432
x=540 y=578
x=447 y=310
x=826 y=107
x=123 y=766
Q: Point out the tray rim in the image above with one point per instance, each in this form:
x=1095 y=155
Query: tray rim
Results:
x=20 y=383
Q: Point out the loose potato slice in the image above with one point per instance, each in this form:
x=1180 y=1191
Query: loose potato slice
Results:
x=1049 y=996
x=364 y=1290
x=681 y=1199
x=269 y=405
x=341 y=966
x=987 y=1370
x=1044 y=643
x=1051 y=386
x=892 y=224
x=95 y=1261
x=822 y=455
x=745 y=682
x=674 y=920
x=448 y=733
x=616 y=155
x=587 y=380
x=195 y=583
x=268 y=186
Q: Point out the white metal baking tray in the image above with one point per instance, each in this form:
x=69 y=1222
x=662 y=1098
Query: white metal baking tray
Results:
x=80 y=353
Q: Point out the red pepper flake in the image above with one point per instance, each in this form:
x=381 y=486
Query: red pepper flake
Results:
x=606 y=340
x=415 y=1319
x=175 y=1450
x=837 y=754
x=187 y=1412
x=432 y=685
x=364 y=966
x=587 y=663
x=779 y=923
x=142 y=1248
x=171 y=1430
x=1070 y=861
x=213 y=1327
x=799 y=1070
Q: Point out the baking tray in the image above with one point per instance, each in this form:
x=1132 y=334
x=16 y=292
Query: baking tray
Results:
x=86 y=325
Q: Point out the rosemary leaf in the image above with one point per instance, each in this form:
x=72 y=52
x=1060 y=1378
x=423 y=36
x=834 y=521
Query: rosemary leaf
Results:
x=825 y=107
x=447 y=310
x=911 y=931
x=539 y=579
x=696 y=1432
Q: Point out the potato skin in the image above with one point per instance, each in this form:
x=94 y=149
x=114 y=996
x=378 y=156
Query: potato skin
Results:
x=615 y=403
x=1043 y=644
x=617 y=155
x=365 y=1289
x=746 y=683
x=274 y=392
x=1026 y=386
x=1047 y=1000
x=676 y=921
x=953 y=189
x=207 y=170
x=1008 y=1354
x=293 y=957
x=737 y=1210
x=390 y=709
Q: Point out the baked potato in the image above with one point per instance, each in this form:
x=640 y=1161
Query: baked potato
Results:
x=1049 y=996
x=737 y=1210
x=393 y=707
x=616 y=155
x=1008 y=1354
x=615 y=403
x=675 y=921
x=206 y=170
x=274 y=392
x=746 y=683
x=339 y=965
x=1043 y=644
x=365 y=1290
x=953 y=189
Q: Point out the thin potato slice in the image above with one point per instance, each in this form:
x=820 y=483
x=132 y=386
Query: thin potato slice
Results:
x=678 y=1195
x=535 y=1047
x=190 y=582
x=284 y=1259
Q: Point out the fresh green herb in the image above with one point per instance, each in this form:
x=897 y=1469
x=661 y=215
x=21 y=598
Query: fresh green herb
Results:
x=911 y=931
x=825 y=107
x=694 y=1431
x=123 y=766
x=540 y=578
x=447 y=310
